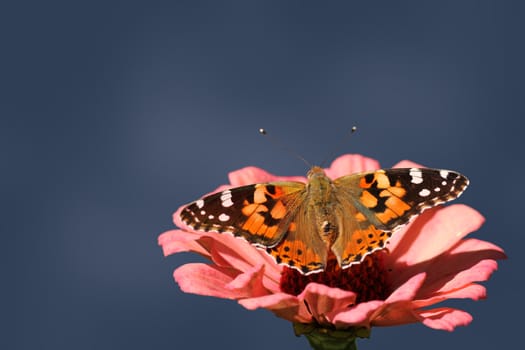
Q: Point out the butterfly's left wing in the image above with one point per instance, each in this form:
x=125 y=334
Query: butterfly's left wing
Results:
x=259 y=213
x=374 y=204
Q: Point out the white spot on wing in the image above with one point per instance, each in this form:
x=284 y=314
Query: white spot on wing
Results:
x=443 y=173
x=437 y=189
x=223 y=217
x=199 y=203
x=424 y=192
x=226 y=198
x=417 y=175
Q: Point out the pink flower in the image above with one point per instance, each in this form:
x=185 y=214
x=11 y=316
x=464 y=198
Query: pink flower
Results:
x=427 y=262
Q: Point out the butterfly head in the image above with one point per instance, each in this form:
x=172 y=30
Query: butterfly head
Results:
x=319 y=185
x=316 y=172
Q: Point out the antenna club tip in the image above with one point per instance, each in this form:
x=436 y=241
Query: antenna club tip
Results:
x=354 y=129
x=262 y=131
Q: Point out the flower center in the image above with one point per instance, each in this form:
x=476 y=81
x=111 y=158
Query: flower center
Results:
x=367 y=279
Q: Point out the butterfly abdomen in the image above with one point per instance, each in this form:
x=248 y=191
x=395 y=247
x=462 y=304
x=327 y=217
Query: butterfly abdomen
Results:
x=321 y=197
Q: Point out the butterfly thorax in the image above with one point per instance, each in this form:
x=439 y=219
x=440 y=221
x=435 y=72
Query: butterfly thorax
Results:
x=320 y=193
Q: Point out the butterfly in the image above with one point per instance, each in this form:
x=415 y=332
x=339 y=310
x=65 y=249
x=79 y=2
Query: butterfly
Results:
x=301 y=224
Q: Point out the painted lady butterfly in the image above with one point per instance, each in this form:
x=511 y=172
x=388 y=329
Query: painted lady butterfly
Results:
x=301 y=224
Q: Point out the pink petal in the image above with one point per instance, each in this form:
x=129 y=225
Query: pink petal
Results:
x=176 y=241
x=489 y=250
x=481 y=271
x=221 y=282
x=397 y=308
x=249 y=283
x=395 y=315
x=227 y=250
x=178 y=221
x=470 y=260
x=408 y=164
x=250 y=175
x=224 y=249
x=359 y=315
x=281 y=304
x=324 y=302
x=432 y=233
x=205 y=279
x=445 y=318
x=273 y=301
x=408 y=290
x=349 y=164
x=472 y=291
x=317 y=301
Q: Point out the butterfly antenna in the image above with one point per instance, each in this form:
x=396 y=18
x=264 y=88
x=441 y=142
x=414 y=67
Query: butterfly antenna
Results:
x=352 y=130
x=282 y=146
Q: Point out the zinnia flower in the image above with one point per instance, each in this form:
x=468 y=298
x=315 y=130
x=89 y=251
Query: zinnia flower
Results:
x=425 y=263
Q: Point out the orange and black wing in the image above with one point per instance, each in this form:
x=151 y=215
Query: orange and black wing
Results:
x=374 y=204
x=259 y=213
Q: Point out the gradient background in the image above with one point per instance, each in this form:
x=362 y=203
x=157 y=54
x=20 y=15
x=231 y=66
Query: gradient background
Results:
x=112 y=116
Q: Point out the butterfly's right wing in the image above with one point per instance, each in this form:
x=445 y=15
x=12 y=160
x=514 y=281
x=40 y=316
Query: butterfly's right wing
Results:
x=259 y=213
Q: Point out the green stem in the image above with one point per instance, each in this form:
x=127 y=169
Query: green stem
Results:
x=321 y=338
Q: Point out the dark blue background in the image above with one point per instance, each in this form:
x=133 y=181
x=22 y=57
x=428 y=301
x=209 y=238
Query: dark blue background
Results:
x=113 y=115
